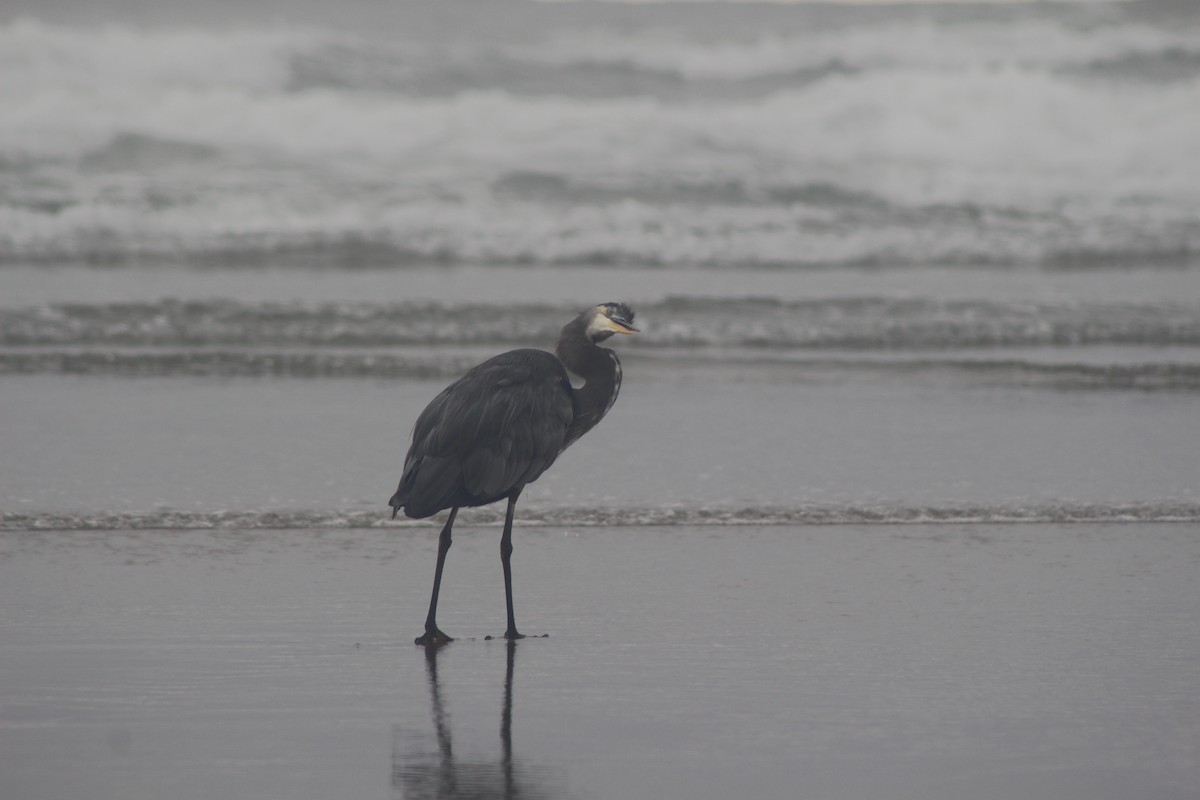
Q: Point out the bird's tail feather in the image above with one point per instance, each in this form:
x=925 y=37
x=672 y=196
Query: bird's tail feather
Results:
x=428 y=486
x=398 y=500
x=404 y=490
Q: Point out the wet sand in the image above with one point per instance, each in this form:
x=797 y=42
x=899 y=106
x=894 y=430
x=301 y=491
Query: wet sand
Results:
x=981 y=661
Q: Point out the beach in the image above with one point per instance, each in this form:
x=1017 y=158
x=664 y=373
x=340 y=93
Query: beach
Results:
x=907 y=661
x=899 y=496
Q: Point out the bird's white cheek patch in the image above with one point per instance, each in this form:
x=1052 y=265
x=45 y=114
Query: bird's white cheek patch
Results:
x=598 y=325
x=602 y=324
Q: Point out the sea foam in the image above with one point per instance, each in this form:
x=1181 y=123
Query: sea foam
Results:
x=882 y=140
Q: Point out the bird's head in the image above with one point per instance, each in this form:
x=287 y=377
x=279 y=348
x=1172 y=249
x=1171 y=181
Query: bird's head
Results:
x=608 y=318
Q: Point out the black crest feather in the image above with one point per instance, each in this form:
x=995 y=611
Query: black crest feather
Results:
x=620 y=312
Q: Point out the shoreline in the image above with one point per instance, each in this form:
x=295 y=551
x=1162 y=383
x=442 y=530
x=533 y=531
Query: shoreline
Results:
x=1127 y=513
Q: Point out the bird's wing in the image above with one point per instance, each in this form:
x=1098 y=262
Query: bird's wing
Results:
x=499 y=426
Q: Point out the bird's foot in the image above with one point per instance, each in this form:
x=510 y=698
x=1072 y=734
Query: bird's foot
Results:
x=511 y=635
x=433 y=637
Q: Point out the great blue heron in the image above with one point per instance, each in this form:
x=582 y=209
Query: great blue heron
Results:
x=502 y=425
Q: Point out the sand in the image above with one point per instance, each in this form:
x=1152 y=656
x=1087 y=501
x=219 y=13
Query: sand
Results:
x=924 y=662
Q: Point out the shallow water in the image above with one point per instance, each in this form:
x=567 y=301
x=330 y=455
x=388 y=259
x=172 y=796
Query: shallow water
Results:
x=779 y=442
x=840 y=662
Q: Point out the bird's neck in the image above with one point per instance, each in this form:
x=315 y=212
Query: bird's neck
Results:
x=601 y=373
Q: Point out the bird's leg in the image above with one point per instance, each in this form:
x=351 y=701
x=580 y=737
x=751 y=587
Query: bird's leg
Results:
x=433 y=636
x=506 y=549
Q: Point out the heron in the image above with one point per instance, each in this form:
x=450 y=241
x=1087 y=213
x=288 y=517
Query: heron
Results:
x=500 y=426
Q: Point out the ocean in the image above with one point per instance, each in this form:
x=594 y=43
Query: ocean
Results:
x=892 y=263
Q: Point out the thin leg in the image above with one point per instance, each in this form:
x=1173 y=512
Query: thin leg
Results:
x=432 y=634
x=506 y=549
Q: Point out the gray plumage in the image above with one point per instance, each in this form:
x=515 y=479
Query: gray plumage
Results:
x=497 y=428
x=501 y=425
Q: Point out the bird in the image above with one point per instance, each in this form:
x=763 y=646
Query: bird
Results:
x=496 y=429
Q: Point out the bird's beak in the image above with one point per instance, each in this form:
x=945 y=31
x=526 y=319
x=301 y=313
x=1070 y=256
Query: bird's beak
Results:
x=613 y=324
x=623 y=327
x=617 y=325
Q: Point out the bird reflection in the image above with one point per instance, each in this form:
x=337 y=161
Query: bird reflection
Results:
x=420 y=772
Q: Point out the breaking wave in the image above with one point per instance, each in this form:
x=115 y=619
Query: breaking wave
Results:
x=234 y=364
x=998 y=371
x=791 y=137
x=756 y=322
x=1070 y=345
